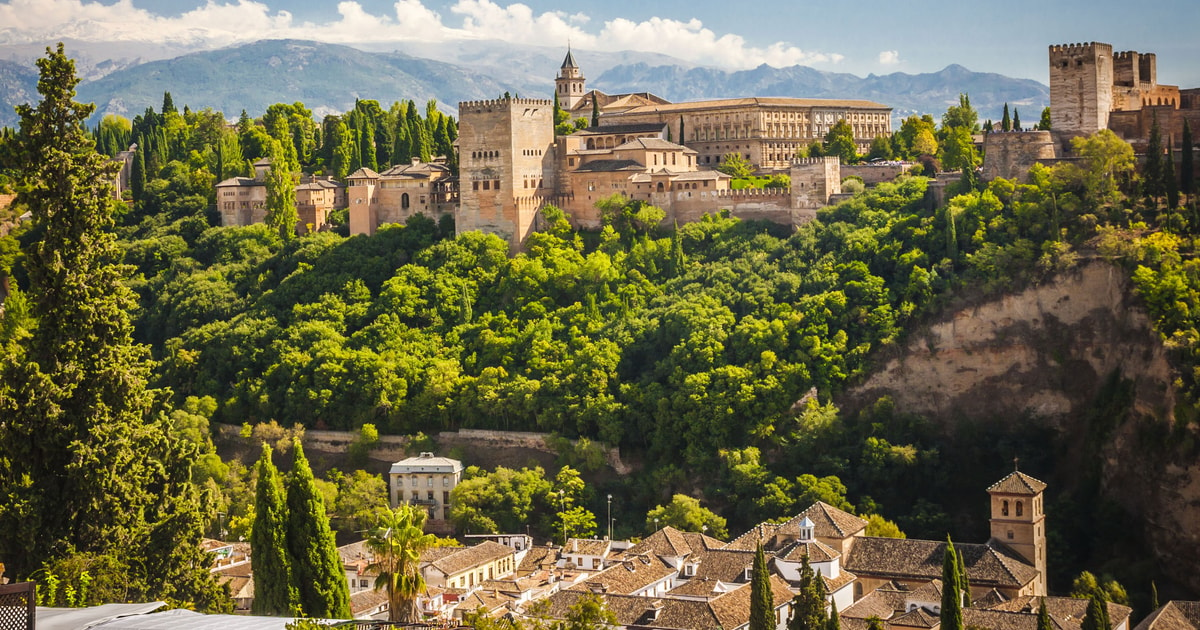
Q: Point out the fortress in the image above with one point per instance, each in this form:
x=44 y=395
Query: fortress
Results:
x=1093 y=88
x=511 y=163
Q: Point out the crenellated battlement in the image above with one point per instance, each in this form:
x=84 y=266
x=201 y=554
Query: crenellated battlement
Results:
x=760 y=194
x=1088 y=48
x=504 y=102
x=814 y=161
x=1125 y=55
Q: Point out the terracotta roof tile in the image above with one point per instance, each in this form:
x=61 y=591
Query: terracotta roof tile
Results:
x=749 y=540
x=1018 y=482
x=989 y=565
x=630 y=576
x=1175 y=615
x=587 y=547
x=466 y=558
x=816 y=551
x=1067 y=612
x=915 y=618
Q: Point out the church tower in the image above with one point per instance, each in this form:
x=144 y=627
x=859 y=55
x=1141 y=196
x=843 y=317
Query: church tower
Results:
x=570 y=83
x=1019 y=520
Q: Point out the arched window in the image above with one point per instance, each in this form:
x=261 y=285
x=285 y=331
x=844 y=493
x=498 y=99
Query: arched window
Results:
x=660 y=186
x=404 y=201
x=1004 y=508
x=1020 y=508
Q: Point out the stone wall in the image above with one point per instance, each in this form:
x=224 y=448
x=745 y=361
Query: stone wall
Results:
x=874 y=174
x=1011 y=154
x=1081 y=87
x=814 y=180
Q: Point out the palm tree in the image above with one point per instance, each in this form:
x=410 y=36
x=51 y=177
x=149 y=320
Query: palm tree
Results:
x=397 y=544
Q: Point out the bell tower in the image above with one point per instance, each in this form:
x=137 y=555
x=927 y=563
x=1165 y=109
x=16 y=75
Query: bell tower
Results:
x=1019 y=520
x=569 y=86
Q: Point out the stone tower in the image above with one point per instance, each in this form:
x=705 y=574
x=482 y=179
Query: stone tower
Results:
x=1081 y=87
x=506 y=166
x=570 y=83
x=1019 y=520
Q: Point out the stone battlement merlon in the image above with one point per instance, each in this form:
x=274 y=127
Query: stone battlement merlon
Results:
x=505 y=102
x=812 y=160
x=1081 y=48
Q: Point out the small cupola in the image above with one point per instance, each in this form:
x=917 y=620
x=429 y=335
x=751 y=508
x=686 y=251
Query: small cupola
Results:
x=806 y=530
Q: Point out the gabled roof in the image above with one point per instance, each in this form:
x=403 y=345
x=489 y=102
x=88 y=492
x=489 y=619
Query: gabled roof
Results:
x=669 y=542
x=915 y=618
x=628 y=128
x=652 y=144
x=1175 y=615
x=828 y=522
x=1018 y=482
x=726 y=565
x=991 y=564
x=586 y=547
x=627 y=577
x=1066 y=612
x=609 y=166
x=241 y=181
x=467 y=558
x=749 y=540
x=363 y=173
x=816 y=551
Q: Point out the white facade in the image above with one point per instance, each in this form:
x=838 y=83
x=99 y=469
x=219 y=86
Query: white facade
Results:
x=426 y=481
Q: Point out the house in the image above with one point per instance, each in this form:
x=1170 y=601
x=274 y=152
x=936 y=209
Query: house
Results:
x=1175 y=615
x=427 y=481
x=467 y=567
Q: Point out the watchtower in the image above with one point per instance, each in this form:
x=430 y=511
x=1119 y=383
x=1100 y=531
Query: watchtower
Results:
x=1019 y=520
x=506 y=165
x=569 y=84
x=1081 y=87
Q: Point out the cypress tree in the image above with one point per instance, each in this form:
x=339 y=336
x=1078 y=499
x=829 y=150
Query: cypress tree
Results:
x=808 y=606
x=595 y=111
x=963 y=582
x=1153 y=596
x=281 y=191
x=1187 y=164
x=762 y=603
x=682 y=137
x=274 y=584
x=1016 y=123
x=168 y=106
x=137 y=174
x=85 y=463
x=1044 y=622
x=1096 y=617
x=317 y=567
x=951 y=615
x=1169 y=180
x=951 y=234
x=835 y=621
x=1153 y=171
x=1005 y=121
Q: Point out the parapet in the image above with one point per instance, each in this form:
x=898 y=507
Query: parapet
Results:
x=1087 y=48
x=504 y=102
x=815 y=161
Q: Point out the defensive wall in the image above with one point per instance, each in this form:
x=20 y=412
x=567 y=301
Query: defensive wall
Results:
x=1010 y=154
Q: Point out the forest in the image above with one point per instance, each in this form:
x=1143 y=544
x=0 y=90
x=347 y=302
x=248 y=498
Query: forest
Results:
x=711 y=353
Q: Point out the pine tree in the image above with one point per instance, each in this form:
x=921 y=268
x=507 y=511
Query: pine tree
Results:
x=762 y=603
x=1043 y=621
x=275 y=590
x=951 y=594
x=86 y=466
x=316 y=565
x=1005 y=121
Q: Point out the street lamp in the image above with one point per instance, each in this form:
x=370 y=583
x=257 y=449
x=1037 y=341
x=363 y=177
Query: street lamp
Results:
x=562 y=502
x=656 y=524
x=610 y=517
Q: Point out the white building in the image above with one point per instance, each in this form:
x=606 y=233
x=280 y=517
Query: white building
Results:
x=426 y=481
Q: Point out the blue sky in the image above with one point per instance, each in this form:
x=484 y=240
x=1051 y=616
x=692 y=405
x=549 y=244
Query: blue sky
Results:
x=868 y=36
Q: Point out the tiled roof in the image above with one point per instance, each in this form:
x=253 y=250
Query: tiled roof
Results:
x=669 y=542
x=881 y=602
x=733 y=608
x=569 y=61
x=1000 y=619
x=1018 y=482
x=424 y=462
x=1067 y=612
x=469 y=557
x=653 y=144
x=608 y=130
x=609 y=166
x=630 y=576
x=749 y=540
x=828 y=522
x=915 y=618
x=816 y=551
x=696 y=587
x=355 y=552
x=537 y=558
x=726 y=565
x=365 y=600
x=421 y=170
x=363 y=172
x=832 y=585
x=991 y=599
x=586 y=547
x=931 y=592
x=1175 y=615
x=241 y=181
x=989 y=565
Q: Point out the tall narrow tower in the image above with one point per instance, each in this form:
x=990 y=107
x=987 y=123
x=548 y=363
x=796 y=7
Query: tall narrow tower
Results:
x=1081 y=87
x=570 y=82
x=1019 y=520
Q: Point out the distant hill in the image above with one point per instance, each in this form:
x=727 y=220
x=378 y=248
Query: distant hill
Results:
x=929 y=93
x=18 y=85
x=328 y=78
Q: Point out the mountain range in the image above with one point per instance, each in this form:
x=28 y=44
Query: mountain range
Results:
x=328 y=78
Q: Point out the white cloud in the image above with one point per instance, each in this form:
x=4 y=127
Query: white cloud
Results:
x=217 y=23
x=889 y=57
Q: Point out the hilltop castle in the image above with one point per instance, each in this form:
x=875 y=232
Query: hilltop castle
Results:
x=1093 y=88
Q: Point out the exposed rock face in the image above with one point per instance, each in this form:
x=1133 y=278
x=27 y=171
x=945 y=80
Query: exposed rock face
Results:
x=1046 y=353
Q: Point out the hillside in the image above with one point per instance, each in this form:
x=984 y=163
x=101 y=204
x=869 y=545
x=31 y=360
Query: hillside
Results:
x=18 y=85
x=928 y=93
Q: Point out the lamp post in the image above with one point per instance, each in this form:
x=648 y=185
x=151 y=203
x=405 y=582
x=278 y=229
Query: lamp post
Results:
x=610 y=517
x=656 y=524
x=562 y=515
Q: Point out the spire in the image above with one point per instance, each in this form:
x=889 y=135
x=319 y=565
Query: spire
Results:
x=569 y=62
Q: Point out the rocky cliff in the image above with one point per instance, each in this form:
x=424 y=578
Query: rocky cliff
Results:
x=1049 y=352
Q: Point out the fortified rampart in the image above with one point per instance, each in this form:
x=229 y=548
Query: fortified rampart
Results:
x=1081 y=87
x=1011 y=154
x=874 y=174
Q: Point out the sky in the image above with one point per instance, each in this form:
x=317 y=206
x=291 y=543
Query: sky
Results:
x=863 y=37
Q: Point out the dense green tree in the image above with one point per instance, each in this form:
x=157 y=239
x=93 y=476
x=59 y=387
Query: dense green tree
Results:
x=595 y=111
x=1096 y=617
x=684 y=513
x=1016 y=121
x=961 y=116
x=396 y=543
x=316 y=566
x=839 y=141
x=808 y=606
x=589 y=612
x=881 y=149
x=281 y=192
x=1044 y=123
x=1043 y=621
x=86 y=462
x=137 y=175
x=1154 y=171
x=1187 y=162
x=1005 y=120
x=734 y=165
x=1170 y=181
x=275 y=591
x=762 y=601
x=958 y=150
x=951 y=615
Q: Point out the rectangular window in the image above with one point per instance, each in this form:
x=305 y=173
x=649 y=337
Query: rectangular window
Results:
x=487 y=184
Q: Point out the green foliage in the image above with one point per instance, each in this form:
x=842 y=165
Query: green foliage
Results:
x=396 y=543
x=1096 y=617
x=808 y=606
x=952 y=588
x=316 y=566
x=1006 y=120
x=883 y=528
x=762 y=602
x=501 y=501
x=86 y=463
x=684 y=513
x=1044 y=122
x=839 y=141
x=734 y=165
x=275 y=590
x=961 y=116
x=588 y=613
x=1044 y=622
